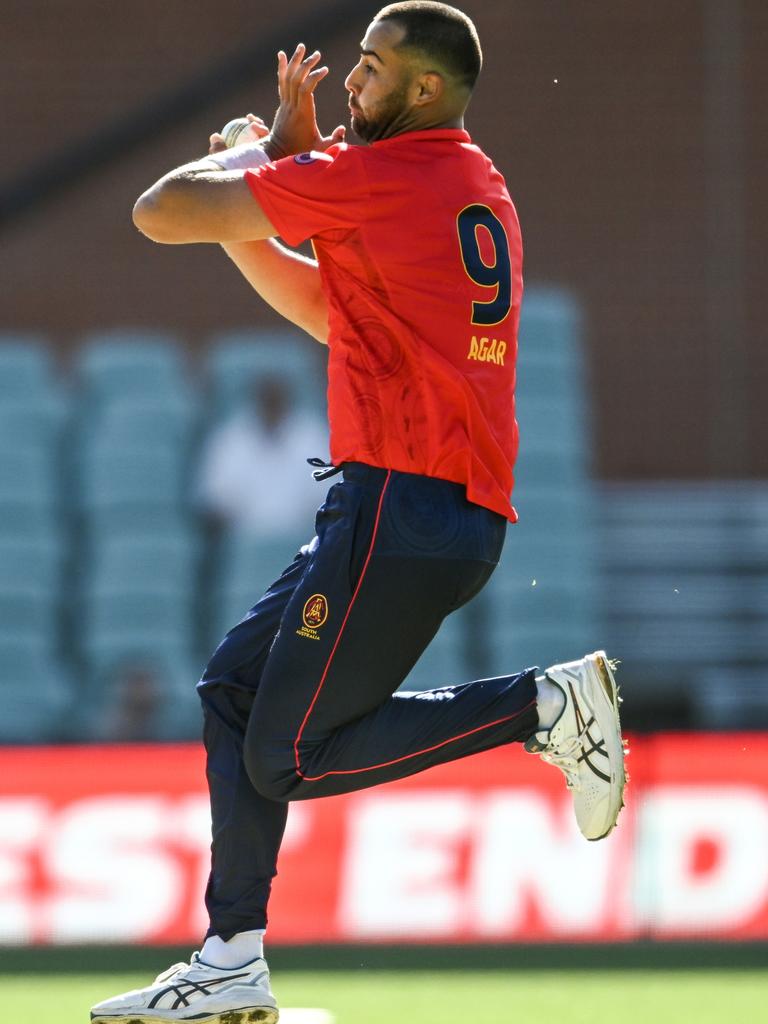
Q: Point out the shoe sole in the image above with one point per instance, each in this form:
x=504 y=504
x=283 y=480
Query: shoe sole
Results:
x=249 y=1015
x=605 y=701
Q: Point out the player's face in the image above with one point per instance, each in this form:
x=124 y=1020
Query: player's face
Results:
x=379 y=85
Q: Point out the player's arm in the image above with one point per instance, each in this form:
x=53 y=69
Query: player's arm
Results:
x=205 y=202
x=288 y=281
x=201 y=202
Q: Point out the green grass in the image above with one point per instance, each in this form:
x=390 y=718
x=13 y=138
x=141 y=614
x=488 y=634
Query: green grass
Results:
x=545 y=997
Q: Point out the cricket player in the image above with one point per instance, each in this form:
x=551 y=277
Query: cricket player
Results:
x=415 y=288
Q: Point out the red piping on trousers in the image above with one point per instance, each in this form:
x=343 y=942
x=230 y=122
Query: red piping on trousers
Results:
x=427 y=750
x=405 y=757
x=324 y=676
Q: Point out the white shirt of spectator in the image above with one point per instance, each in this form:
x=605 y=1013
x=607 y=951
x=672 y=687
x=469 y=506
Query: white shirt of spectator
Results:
x=258 y=481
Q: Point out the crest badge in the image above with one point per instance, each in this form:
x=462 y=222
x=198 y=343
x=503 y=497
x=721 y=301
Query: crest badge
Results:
x=314 y=615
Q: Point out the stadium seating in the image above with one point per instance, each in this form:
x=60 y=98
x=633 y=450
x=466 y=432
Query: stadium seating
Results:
x=539 y=606
x=120 y=480
x=31 y=423
x=26 y=367
x=176 y=714
x=130 y=362
x=118 y=623
x=169 y=420
x=685 y=581
x=30 y=591
x=28 y=478
x=729 y=696
x=104 y=562
x=244 y=568
x=237 y=358
x=22 y=521
x=133 y=562
x=37 y=693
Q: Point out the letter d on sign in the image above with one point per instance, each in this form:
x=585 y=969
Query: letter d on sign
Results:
x=674 y=895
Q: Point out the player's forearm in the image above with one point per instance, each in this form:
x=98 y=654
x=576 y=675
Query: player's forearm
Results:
x=288 y=281
x=207 y=200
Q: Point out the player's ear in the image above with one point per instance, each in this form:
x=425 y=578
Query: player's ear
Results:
x=430 y=87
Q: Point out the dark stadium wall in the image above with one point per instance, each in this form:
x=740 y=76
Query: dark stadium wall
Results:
x=630 y=136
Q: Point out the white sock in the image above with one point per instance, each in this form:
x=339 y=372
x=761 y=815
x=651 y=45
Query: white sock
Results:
x=550 y=701
x=240 y=950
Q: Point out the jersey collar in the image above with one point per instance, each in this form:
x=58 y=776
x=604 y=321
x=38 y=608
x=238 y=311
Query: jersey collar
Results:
x=427 y=135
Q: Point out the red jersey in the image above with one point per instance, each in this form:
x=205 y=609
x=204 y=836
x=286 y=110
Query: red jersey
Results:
x=420 y=257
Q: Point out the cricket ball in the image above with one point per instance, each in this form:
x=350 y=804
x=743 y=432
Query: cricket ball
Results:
x=238 y=131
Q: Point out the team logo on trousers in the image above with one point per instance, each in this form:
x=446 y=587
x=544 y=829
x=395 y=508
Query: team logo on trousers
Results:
x=314 y=615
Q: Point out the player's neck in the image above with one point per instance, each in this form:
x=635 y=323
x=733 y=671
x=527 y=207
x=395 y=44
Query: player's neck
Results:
x=424 y=124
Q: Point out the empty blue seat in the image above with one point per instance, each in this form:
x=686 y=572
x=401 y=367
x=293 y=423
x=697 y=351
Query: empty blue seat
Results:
x=32 y=423
x=136 y=562
x=31 y=565
x=118 y=625
x=254 y=562
x=541 y=467
x=550 y=331
x=130 y=361
x=20 y=521
x=517 y=646
x=26 y=367
x=728 y=696
x=237 y=358
x=136 y=522
x=138 y=421
x=564 y=561
x=36 y=693
x=29 y=478
x=122 y=480
x=30 y=611
x=245 y=567
x=114 y=608
x=31 y=591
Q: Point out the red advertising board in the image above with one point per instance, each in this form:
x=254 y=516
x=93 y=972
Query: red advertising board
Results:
x=110 y=844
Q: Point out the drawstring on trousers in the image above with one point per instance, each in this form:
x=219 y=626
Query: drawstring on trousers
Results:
x=324 y=469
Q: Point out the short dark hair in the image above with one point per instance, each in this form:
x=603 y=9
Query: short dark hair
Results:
x=442 y=33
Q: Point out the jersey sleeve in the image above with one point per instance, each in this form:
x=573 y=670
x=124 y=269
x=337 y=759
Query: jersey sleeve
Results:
x=311 y=193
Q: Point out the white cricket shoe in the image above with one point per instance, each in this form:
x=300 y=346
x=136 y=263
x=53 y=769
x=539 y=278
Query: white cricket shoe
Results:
x=585 y=742
x=196 y=992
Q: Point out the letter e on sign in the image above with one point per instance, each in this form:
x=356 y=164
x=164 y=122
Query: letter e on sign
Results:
x=401 y=874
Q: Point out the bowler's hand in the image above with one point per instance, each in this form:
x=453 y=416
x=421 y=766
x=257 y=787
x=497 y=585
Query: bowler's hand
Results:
x=216 y=143
x=294 y=129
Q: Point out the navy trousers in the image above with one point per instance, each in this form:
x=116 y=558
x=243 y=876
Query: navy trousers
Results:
x=299 y=698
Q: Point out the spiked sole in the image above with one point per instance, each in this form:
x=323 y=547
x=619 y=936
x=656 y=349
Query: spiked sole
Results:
x=606 y=710
x=252 y=1015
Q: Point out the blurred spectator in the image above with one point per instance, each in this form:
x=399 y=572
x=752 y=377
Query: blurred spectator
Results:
x=253 y=474
x=136 y=703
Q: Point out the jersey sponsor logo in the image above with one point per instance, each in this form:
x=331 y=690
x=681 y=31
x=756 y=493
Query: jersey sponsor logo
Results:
x=487 y=350
x=314 y=615
x=311 y=158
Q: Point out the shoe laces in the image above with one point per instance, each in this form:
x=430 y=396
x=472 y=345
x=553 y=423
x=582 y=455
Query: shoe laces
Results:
x=169 y=973
x=565 y=757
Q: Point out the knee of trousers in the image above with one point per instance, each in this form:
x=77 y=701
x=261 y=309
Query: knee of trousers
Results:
x=272 y=773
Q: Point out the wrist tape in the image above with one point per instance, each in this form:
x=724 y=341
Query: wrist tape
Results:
x=240 y=158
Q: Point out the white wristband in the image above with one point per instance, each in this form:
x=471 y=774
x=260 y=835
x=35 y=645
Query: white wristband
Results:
x=240 y=158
